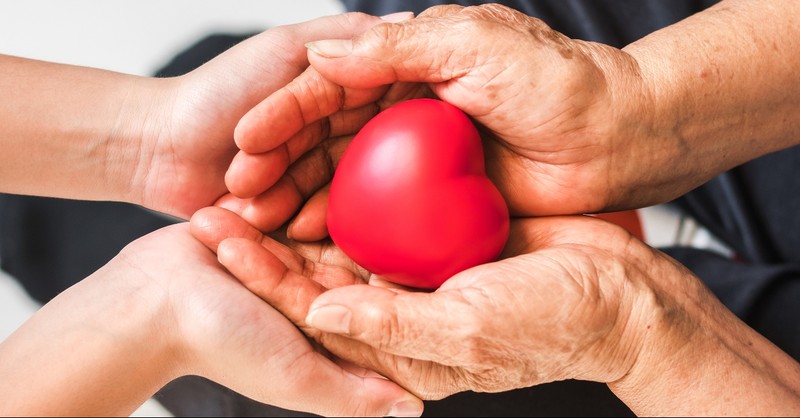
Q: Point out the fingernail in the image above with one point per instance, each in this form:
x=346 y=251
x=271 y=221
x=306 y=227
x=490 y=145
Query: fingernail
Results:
x=397 y=17
x=330 y=318
x=331 y=48
x=406 y=409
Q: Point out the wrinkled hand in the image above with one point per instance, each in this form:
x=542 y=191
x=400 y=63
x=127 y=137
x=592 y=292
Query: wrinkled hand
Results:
x=564 y=121
x=565 y=310
x=188 y=140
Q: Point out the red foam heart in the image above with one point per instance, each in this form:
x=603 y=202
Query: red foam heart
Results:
x=410 y=200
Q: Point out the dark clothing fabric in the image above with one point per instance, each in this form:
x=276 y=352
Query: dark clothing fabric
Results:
x=613 y=22
x=755 y=209
x=49 y=244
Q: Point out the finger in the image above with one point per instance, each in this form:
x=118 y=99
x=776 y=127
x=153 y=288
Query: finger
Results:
x=378 y=281
x=341 y=26
x=459 y=54
x=321 y=262
x=423 y=326
x=271 y=209
x=212 y=225
x=356 y=369
x=251 y=174
x=310 y=223
x=441 y=11
x=307 y=99
x=346 y=122
x=418 y=50
x=267 y=276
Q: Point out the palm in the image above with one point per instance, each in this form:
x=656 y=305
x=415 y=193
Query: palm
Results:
x=189 y=170
x=215 y=312
x=183 y=166
x=554 y=291
x=222 y=331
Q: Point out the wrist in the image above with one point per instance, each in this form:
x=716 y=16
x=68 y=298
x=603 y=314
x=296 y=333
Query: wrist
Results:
x=641 y=150
x=662 y=339
x=672 y=159
x=723 y=88
x=136 y=312
x=101 y=347
x=71 y=131
x=692 y=356
x=144 y=121
x=612 y=357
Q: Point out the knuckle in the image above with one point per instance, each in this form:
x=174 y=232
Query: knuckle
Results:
x=381 y=36
x=495 y=12
x=281 y=43
x=388 y=326
x=355 y=19
x=487 y=18
x=316 y=96
x=441 y=10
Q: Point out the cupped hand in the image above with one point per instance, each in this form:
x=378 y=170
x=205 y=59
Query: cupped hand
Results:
x=309 y=137
x=188 y=141
x=558 y=306
x=221 y=331
x=569 y=126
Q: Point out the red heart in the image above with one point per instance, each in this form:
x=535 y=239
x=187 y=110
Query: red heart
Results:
x=410 y=200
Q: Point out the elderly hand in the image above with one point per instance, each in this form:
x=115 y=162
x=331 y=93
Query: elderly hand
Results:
x=569 y=126
x=558 y=115
x=576 y=298
x=164 y=308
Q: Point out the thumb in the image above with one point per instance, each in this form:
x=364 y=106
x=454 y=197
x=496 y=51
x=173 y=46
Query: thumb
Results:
x=418 y=325
x=443 y=44
x=413 y=50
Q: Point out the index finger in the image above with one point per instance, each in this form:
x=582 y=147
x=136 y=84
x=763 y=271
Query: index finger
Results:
x=307 y=99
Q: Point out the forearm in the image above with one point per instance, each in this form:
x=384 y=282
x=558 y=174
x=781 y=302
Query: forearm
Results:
x=69 y=131
x=724 y=83
x=95 y=350
x=697 y=358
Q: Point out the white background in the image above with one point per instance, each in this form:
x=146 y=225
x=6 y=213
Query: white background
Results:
x=131 y=36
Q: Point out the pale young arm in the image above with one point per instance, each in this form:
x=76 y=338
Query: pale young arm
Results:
x=89 y=351
x=164 y=308
x=70 y=131
x=84 y=133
